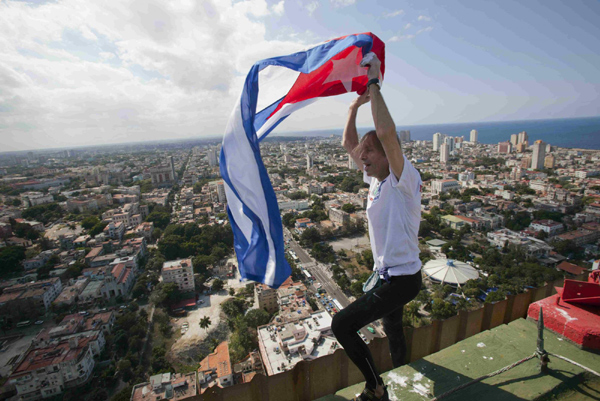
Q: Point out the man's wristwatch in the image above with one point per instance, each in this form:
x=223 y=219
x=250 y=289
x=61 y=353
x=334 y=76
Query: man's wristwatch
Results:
x=374 y=81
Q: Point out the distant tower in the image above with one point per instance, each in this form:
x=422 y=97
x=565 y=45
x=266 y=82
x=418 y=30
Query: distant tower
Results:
x=212 y=157
x=404 y=136
x=549 y=161
x=173 y=174
x=351 y=164
x=523 y=137
x=221 y=192
x=473 y=138
x=309 y=162
x=287 y=158
x=444 y=153
x=450 y=142
x=539 y=153
x=437 y=141
x=514 y=139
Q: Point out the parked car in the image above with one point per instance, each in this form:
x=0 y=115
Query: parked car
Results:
x=39 y=322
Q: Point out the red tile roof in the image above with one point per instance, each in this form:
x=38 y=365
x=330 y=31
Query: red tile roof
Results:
x=571 y=268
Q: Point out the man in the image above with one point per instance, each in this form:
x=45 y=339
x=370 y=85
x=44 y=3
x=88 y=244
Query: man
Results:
x=394 y=214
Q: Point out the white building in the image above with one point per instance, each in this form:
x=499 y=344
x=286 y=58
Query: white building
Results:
x=550 y=227
x=466 y=176
x=212 y=157
x=450 y=142
x=309 y=162
x=283 y=346
x=440 y=186
x=35 y=198
x=437 y=141
x=48 y=372
x=180 y=272
x=473 y=136
x=444 y=153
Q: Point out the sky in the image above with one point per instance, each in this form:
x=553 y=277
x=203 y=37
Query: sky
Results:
x=76 y=73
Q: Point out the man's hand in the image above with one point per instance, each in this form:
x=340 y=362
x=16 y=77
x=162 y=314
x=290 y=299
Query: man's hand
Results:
x=360 y=100
x=372 y=62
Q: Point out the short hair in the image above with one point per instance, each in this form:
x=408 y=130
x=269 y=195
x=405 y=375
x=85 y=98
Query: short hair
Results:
x=376 y=142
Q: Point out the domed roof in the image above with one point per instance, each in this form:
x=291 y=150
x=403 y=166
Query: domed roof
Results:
x=448 y=271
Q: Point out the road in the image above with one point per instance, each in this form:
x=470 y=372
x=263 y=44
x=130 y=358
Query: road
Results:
x=322 y=273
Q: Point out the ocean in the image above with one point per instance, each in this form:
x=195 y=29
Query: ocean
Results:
x=581 y=133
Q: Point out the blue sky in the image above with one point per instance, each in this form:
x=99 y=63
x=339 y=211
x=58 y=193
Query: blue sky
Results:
x=78 y=73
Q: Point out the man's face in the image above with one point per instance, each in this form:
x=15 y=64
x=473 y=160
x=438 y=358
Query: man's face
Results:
x=375 y=163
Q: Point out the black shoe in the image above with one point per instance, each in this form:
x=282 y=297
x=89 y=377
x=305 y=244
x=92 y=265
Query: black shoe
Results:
x=369 y=395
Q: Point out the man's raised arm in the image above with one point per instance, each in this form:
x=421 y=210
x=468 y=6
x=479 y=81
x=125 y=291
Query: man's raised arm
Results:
x=384 y=124
x=350 y=138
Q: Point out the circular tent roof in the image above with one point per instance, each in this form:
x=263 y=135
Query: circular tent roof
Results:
x=448 y=271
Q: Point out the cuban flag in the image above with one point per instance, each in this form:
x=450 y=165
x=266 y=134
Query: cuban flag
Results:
x=274 y=89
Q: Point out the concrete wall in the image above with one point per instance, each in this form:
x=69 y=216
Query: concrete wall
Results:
x=326 y=375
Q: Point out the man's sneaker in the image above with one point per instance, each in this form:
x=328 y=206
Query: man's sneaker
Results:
x=369 y=395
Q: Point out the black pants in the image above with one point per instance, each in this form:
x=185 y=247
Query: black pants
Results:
x=387 y=302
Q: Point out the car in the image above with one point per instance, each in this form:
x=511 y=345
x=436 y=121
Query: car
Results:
x=39 y=322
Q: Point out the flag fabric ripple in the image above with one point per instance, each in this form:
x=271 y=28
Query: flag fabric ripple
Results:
x=275 y=88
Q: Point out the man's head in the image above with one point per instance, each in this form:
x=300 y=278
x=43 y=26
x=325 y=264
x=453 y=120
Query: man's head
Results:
x=370 y=152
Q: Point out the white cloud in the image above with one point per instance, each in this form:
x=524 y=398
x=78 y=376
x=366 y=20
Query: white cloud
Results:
x=407 y=25
x=428 y=29
x=76 y=73
x=400 y=38
x=393 y=13
x=311 y=7
x=423 y=18
x=279 y=8
x=342 y=3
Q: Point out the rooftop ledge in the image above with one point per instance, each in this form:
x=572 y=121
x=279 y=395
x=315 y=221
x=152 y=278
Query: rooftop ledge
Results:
x=435 y=352
x=487 y=352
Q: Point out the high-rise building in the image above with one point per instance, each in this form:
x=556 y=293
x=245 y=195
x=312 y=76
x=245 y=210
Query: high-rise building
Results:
x=212 y=158
x=444 y=153
x=404 y=136
x=473 y=137
x=548 y=148
x=539 y=154
x=437 y=141
x=514 y=139
x=526 y=162
x=549 y=161
x=173 y=173
x=504 y=147
x=523 y=137
x=351 y=164
x=449 y=140
x=309 y=162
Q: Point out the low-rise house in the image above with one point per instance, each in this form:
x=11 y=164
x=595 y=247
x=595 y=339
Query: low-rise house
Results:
x=550 y=227
x=215 y=369
x=166 y=386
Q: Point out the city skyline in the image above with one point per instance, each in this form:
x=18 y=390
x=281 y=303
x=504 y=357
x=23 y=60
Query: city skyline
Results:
x=79 y=75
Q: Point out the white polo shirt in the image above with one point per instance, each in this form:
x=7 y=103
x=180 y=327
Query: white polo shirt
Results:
x=394 y=215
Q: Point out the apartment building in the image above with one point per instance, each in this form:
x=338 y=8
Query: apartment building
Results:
x=41 y=292
x=48 y=372
x=166 y=386
x=180 y=272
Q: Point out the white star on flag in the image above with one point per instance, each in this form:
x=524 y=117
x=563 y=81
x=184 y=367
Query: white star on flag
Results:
x=345 y=71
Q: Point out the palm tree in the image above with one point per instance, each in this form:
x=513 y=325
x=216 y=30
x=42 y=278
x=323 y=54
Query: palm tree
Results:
x=205 y=322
